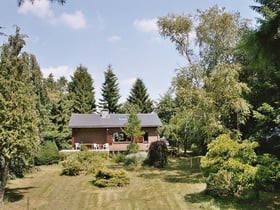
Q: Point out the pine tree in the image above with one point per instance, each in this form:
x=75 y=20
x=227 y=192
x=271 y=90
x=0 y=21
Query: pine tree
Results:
x=82 y=91
x=110 y=92
x=139 y=97
x=18 y=116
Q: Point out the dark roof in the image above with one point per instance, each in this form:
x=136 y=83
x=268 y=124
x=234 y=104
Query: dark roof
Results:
x=111 y=120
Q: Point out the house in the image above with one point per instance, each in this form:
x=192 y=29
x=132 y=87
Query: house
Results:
x=105 y=130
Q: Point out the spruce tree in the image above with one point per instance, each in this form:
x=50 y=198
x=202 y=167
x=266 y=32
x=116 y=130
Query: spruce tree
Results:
x=139 y=97
x=110 y=92
x=82 y=91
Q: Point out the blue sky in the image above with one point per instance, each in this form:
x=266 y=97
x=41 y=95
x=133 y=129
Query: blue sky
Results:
x=96 y=33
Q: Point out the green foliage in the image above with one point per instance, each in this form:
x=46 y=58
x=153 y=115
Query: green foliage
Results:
x=166 y=107
x=209 y=96
x=178 y=29
x=111 y=178
x=228 y=166
x=82 y=162
x=118 y=157
x=18 y=113
x=218 y=42
x=110 y=92
x=268 y=175
x=82 y=91
x=132 y=128
x=135 y=158
x=132 y=148
x=71 y=166
x=138 y=96
x=48 y=154
x=157 y=154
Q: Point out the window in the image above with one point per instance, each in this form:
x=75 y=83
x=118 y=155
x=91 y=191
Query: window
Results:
x=119 y=137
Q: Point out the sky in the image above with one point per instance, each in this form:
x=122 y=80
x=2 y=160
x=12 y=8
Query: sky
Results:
x=98 y=33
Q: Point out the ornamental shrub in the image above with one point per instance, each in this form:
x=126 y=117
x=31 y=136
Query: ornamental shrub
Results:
x=111 y=178
x=118 y=157
x=157 y=154
x=48 y=154
x=229 y=166
x=135 y=158
x=71 y=166
x=86 y=162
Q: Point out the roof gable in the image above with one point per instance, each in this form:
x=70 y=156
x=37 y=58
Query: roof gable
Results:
x=111 y=120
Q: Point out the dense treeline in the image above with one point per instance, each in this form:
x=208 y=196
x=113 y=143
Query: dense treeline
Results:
x=224 y=103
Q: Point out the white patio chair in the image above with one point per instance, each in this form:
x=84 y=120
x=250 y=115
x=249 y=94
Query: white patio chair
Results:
x=95 y=146
x=106 y=146
x=77 y=145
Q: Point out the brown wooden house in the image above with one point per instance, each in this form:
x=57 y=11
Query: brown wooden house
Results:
x=103 y=131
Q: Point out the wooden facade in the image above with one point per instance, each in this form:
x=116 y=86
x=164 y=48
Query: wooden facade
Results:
x=104 y=131
x=100 y=136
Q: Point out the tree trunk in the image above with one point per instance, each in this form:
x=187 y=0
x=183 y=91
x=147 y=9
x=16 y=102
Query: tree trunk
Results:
x=4 y=178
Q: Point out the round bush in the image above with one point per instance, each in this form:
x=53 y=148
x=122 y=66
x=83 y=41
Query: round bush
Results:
x=157 y=154
x=48 y=154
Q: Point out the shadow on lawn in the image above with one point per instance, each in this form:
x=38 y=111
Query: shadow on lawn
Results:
x=178 y=170
x=15 y=194
x=268 y=201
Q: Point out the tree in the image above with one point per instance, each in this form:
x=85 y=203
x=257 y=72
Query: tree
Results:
x=18 y=128
x=228 y=166
x=166 y=107
x=132 y=129
x=82 y=91
x=178 y=29
x=200 y=86
x=218 y=34
x=57 y=130
x=224 y=87
x=260 y=51
x=139 y=96
x=110 y=92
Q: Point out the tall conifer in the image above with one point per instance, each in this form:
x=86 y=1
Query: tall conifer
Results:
x=110 y=92
x=139 y=97
x=82 y=91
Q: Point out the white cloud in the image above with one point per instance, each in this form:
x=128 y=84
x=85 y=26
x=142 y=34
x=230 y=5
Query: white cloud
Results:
x=75 y=21
x=42 y=10
x=38 y=8
x=58 y=71
x=114 y=39
x=146 y=25
x=128 y=82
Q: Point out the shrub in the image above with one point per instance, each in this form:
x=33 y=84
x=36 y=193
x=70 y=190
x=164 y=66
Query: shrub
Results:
x=85 y=161
x=118 y=157
x=71 y=166
x=132 y=148
x=111 y=178
x=134 y=158
x=157 y=154
x=229 y=166
x=48 y=154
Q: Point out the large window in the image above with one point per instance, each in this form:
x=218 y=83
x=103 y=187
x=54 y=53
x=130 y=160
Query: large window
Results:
x=119 y=137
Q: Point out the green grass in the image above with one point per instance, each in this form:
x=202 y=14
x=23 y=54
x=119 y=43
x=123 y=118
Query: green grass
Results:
x=177 y=186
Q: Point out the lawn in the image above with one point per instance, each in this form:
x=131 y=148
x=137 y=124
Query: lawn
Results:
x=178 y=186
